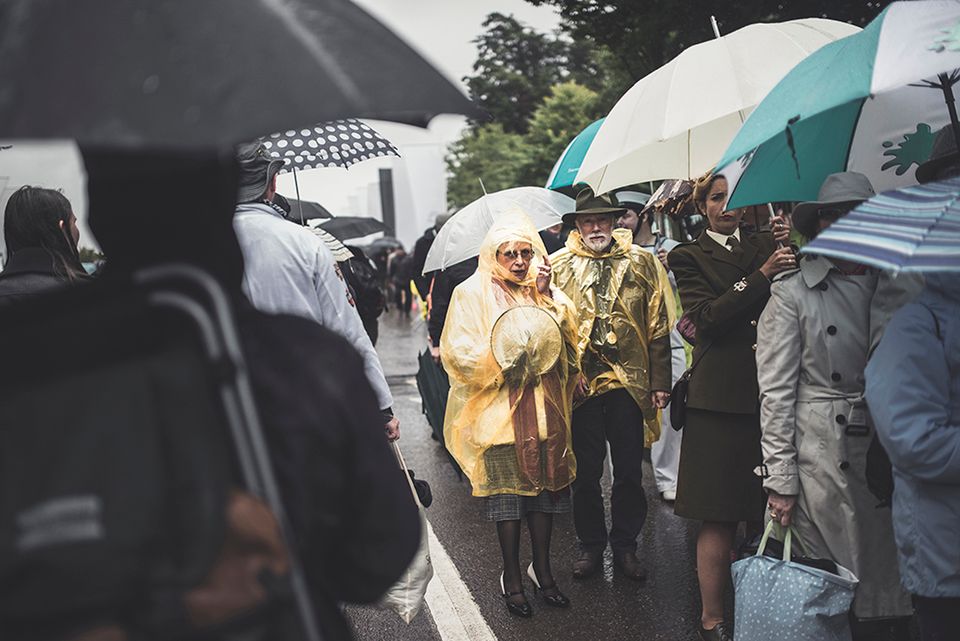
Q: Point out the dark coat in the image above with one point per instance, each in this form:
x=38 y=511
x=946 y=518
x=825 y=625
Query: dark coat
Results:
x=724 y=295
x=444 y=283
x=420 y=250
x=350 y=508
x=29 y=271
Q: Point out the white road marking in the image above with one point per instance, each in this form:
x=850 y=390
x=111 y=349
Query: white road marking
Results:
x=454 y=611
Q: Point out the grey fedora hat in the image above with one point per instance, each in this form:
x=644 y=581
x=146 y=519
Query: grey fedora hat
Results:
x=257 y=169
x=943 y=154
x=840 y=189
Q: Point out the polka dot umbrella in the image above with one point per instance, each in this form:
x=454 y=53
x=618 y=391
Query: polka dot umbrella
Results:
x=338 y=143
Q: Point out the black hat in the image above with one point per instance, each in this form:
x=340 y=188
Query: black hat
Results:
x=839 y=189
x=944 y=153
x=588 y=203
x=257 y=169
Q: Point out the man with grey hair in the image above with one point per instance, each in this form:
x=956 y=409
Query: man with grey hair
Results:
x=288 y=269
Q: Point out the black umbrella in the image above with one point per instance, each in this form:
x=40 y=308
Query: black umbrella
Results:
x=187 y=74
x=339 y=143
x=386 y=243
x=301 y=210
x=347 y=227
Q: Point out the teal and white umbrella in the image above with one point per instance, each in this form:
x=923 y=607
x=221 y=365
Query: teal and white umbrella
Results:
x=871 y=102
x=568 y=164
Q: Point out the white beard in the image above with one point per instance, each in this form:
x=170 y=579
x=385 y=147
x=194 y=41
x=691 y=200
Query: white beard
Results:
x=597 y=245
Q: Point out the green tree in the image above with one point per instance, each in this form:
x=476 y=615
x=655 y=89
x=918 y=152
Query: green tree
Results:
x=486 y=153
x=642 y=35
x=562 y=115
x=514 y=70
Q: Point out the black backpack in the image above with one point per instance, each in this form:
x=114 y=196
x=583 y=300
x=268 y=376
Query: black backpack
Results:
x=365 y=283
x=135 y=503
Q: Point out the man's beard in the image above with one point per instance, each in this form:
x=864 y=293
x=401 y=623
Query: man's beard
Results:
x=597 y=244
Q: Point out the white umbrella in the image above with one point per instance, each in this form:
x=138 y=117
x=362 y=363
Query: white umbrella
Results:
x=678 y=121
x=461 y=236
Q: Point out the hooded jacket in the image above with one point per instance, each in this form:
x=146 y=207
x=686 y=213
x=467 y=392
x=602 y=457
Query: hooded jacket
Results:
x=626 y=310
x=913 y=390
x=516 y=406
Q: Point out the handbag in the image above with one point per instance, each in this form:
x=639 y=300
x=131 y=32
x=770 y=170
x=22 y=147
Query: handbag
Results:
x=678 y=395
x=406 y=596
x=782 y=599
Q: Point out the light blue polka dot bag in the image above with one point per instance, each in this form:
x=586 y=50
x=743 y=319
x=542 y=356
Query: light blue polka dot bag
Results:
x=782 y=600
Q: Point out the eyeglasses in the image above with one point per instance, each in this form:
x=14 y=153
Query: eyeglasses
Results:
x=512 y=254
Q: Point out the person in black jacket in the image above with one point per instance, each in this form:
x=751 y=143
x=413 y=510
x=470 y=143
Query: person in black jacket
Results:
x=724 y=282
x=41 y=235
x=444 y=283
x=420 y=250
x=354 y=521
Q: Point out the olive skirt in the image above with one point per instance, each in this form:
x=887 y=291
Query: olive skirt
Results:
x=718 y=455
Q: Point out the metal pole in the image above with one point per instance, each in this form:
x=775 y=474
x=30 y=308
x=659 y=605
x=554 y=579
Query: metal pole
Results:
x=296 y=186
x=716 y=29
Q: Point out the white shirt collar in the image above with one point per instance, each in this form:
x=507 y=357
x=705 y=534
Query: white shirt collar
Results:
x=722 y=238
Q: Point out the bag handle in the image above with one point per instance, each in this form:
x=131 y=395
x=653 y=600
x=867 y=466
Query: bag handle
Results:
x=406 y=474
x=787 y=540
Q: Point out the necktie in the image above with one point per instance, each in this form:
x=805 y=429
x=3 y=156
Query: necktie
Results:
x=734 y=246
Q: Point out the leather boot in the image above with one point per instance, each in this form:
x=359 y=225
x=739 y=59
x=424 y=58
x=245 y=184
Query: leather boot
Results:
x=588 y=564
x=628 y=565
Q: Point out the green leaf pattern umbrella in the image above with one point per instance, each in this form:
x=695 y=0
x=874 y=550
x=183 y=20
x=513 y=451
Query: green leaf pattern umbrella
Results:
x=871 y=102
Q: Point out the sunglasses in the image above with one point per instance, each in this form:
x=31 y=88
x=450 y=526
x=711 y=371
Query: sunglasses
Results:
x=512 y=254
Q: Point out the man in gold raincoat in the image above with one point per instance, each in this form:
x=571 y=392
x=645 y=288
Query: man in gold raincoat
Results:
x=626 y=311
x=509 y=347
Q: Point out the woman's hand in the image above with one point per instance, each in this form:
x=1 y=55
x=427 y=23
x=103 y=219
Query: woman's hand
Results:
x=544 y=274
x=780 y=225
x=781 y=508
x=780 y=261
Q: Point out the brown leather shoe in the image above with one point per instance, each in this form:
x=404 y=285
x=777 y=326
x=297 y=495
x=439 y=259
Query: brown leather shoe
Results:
x=628 y=565
x=588 y=564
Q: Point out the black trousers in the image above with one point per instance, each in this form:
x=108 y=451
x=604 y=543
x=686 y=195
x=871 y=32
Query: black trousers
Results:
x=937 y=617
x=613 y=417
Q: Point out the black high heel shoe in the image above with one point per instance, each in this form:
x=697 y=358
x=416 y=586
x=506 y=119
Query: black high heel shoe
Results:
x=557 y=600
x=519 y=609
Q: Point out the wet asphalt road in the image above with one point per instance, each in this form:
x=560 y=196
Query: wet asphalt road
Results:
x=609 y=607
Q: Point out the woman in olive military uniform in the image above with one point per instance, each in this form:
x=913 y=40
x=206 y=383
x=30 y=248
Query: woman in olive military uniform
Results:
x=724 y=282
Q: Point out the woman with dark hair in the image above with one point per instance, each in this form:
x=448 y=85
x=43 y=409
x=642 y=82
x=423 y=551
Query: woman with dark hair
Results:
x=724 y=282
x=41 y=234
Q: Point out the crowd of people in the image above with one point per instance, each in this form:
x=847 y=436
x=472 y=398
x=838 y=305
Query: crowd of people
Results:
x=808 y=377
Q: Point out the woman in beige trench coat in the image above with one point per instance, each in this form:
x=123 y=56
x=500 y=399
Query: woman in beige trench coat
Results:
x=813 y=340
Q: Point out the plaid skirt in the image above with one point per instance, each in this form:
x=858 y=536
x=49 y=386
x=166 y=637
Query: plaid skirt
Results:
x=513 y=507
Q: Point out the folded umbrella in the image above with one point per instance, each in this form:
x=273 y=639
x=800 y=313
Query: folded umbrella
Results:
x=676 y=121
x=186 y=74
x=347 y=227
x=870 y=103
x=914 y=229
x=461 y=236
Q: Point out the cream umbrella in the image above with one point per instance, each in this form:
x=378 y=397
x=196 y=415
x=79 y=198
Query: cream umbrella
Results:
x=461 y=236
x=677 y=121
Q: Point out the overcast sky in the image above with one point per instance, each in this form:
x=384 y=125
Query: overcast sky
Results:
x=442 y=31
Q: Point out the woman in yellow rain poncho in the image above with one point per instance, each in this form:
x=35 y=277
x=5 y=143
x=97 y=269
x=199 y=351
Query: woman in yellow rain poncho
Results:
x=509 y=347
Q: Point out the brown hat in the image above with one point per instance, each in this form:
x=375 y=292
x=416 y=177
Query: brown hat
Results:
x=944 y=154
x=839 y=189
x=589 y=203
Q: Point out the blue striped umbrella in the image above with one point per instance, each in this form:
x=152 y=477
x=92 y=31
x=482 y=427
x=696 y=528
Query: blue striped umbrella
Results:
x=915 y=229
